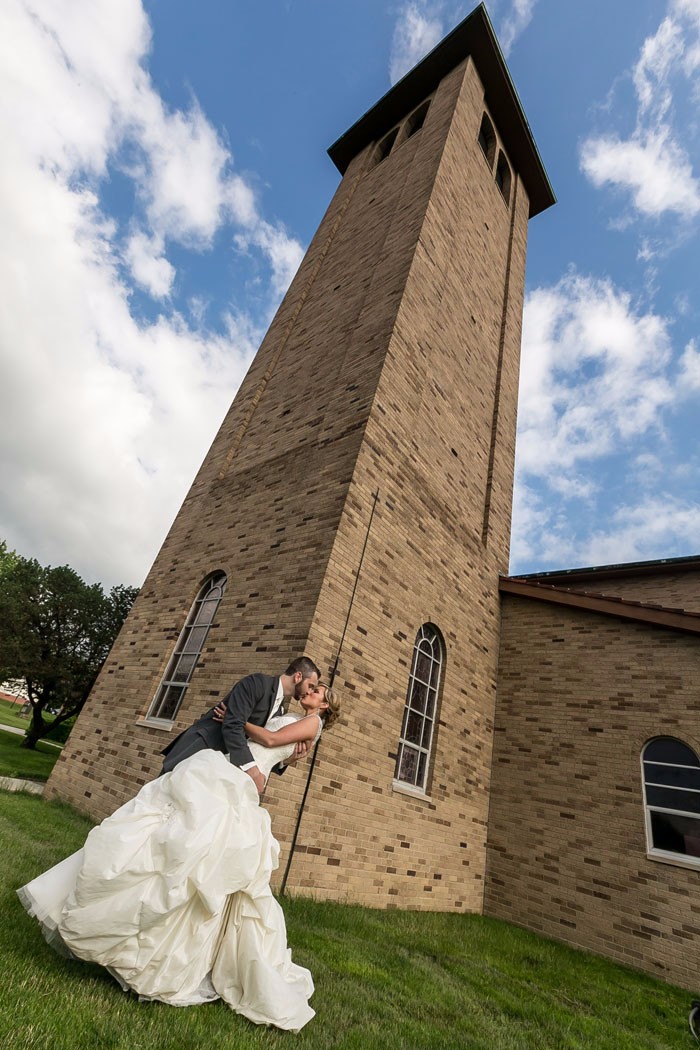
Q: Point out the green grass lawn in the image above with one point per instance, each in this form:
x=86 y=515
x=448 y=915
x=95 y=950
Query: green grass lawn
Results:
x=9 y=715
x=17 y=761
x=391 y=980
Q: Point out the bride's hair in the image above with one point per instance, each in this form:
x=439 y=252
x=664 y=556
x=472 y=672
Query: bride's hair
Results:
x=332 y=712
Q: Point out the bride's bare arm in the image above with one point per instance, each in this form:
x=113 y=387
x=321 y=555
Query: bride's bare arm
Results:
x=303 y=729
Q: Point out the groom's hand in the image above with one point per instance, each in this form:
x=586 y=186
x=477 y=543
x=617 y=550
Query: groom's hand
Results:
x=301 y=750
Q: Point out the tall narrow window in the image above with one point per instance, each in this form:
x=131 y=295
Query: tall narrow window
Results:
x=385 y=146
x=487 y=140
x=672 y=799
x=416 y=740
x=503 y=176
x=416 y=120
x=180 y=669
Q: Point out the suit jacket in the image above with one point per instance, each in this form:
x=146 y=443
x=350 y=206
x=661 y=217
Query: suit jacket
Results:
x=250 y=700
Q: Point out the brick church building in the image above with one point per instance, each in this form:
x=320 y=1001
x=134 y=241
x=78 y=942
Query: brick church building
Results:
x=526 y=748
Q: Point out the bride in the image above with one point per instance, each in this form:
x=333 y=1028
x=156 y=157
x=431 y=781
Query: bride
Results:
x=171 y=893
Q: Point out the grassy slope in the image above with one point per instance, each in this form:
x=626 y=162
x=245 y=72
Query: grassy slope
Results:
x=9 y=715
x=17 y=761
x=399 y=980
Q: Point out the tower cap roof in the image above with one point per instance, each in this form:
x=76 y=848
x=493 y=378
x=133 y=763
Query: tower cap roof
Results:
x=474 y=36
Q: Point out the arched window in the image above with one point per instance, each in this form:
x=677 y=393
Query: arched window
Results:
x=503 y=176
x=487 y=140
x=416 y=120
x=671 y=775
x=385 y=146
x=417 y=730
x=180 y=669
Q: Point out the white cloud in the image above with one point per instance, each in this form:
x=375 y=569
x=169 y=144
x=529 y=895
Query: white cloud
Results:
x=240 y=201
x=184 y=180
x=573 y=486
x=283 y=253
x=638 y=532
x=689 y=375
x=658 y=56
x=421 y=24
x=149 y=267
x=106 y=416
x=531 y=516
x=635 y=532
x=689 y=8
x=517 y=19
x=648 y=467
x=600 y=382
x=646 y=251
x=418 y=29
x=652 y=164
x=652 y=167
x=66 y=68
x=593 y=374
x=104 y=421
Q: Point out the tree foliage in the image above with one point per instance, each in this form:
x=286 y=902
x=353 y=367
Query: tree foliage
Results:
x=55 y=634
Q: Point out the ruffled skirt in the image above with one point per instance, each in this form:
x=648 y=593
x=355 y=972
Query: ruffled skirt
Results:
x=171 y=894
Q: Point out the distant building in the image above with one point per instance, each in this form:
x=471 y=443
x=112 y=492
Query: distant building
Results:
x=376 y=427
x=594 y=825
x=13 y=698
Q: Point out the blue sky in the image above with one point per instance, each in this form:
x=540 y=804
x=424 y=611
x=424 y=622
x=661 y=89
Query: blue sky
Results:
x=164 y=169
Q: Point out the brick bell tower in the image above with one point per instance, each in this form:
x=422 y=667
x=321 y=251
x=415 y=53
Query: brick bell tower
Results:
x=391 y=367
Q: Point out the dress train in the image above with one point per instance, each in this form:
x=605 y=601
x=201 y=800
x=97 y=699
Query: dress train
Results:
x=171 y=894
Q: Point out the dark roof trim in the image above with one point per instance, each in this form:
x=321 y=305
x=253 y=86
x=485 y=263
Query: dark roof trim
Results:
x=622 y=608
x=689 y=563
x=474 y=36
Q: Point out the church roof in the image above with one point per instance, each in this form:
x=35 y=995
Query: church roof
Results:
x=688 y=563
x=606 y=604
x=474 y=36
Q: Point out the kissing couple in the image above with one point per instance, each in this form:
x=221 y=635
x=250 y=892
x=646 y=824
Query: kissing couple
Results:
x=171 y=894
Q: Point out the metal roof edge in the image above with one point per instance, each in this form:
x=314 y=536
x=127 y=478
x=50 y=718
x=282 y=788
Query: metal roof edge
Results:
x=686 y=563
x=474 y=37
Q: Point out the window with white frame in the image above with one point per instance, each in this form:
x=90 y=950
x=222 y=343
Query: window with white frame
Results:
x=183 y=661
x=417 y=730
x=671 y=777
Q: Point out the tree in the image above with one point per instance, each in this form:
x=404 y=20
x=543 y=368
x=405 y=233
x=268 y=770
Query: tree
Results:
x=55 y=634
x=7 y=557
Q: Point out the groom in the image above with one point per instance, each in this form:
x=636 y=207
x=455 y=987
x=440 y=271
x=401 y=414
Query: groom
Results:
x=255 y=698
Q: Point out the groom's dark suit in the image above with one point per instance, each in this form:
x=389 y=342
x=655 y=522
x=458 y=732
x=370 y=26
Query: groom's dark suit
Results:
x=250 y=700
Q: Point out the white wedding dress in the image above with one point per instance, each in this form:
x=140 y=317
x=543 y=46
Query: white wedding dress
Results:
x=172 y=894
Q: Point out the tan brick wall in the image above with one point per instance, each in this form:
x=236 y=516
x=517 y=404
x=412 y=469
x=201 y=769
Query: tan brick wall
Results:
x=427 y=449
x=579 y=695
x=392 y=364
x=674 y=589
